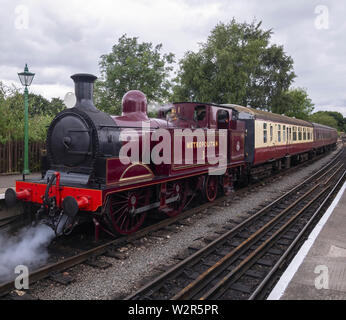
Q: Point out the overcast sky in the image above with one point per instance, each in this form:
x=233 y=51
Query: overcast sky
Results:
x=60 y=38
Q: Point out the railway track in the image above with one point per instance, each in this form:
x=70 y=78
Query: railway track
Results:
x=110 y=247
x=244 y=262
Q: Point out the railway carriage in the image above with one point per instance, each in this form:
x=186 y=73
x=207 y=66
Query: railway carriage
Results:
x=324 y=137
x=85 y=176
x=274 y=138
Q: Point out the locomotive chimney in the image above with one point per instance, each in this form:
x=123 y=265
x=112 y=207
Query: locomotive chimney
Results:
x=84 y=91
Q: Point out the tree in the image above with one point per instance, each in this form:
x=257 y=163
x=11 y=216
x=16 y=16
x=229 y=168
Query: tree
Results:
x=322 y=117
x=2 y=102
x=2 y=92
x=41 y=112
x=295 y=103
x=12 y=114
x=132 y=66
x=330 y=118
x=38 y=105
x=236 y=65
x=56 y=105
x=339 y=118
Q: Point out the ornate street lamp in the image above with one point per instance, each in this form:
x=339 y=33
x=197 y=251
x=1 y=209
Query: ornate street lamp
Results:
x=26 y=78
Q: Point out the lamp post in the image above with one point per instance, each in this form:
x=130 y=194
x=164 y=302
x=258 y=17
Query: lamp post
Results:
x=26 y=78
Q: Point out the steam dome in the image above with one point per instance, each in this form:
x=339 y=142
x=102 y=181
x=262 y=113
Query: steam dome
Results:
x=134 y=101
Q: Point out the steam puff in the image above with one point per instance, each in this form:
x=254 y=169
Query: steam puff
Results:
x=28 y=248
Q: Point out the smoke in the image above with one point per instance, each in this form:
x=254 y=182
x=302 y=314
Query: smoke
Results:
x=28 y=247
x=154 y=107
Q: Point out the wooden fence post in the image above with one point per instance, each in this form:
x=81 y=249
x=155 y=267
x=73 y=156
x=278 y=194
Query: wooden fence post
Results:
x=11 y=156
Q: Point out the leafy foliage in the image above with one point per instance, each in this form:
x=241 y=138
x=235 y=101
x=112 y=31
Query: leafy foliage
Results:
x=236 y=65
x=295 y=103
x=339 y=118
x=132 y=66
x=331 y=119
x=41 y=113
x=39 y=105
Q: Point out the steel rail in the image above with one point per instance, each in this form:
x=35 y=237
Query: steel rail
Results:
x=210 y=274
x=198 y=284
x=60 y=266
x=279 y=263
x=150 y=287
x=218 y=290
x=67 y=263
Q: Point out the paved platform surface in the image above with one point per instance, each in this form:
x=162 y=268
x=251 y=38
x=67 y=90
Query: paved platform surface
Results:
x=318 y=271
x=9 y=181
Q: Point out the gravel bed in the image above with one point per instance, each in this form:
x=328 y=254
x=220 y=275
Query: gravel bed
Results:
x=147 y=256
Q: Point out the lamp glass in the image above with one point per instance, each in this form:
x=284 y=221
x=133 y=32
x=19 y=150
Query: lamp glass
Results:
x=26 y=78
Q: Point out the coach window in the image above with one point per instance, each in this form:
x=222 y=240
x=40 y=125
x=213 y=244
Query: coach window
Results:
x=279 y=133
x=271 y=133
x=284 y=133
x=304 y=133
x=294 y=133
x=265 y=133
x=222 y=119
x=299 y=133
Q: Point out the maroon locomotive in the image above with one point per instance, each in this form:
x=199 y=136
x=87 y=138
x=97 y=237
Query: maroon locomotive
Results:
x=209 y=148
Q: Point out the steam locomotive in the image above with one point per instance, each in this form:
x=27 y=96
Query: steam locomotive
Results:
x=86 y=177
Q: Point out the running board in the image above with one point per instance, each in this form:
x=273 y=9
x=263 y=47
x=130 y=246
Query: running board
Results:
x=155 y=205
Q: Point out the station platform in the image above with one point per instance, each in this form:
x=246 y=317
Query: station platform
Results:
x=318 y=271
x=9 y=181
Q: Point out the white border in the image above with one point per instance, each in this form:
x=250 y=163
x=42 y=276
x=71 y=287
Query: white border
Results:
x=287 y=276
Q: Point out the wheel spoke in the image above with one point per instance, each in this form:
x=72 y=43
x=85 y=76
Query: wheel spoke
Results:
x=122 y=221
x=211 y=188
x=123 y=213
x=177 y=206
x=121 y=208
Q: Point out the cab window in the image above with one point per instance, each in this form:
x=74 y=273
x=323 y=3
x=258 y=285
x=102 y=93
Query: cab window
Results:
x=200 y=116
x=200 y=113
x=222 y=119
x=170 y=114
